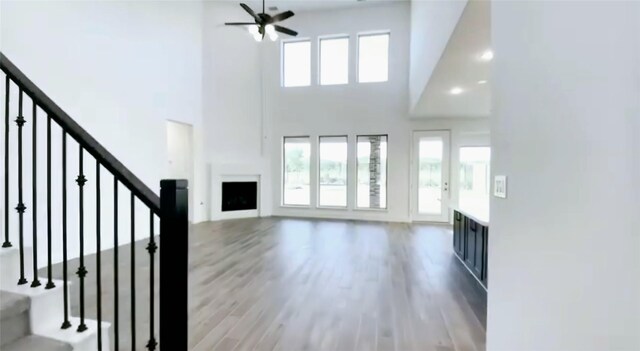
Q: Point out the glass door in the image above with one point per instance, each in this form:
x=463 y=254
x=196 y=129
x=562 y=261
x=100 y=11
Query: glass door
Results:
x=430 y=180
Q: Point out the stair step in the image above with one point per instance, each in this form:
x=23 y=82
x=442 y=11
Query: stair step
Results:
x=85 y=341
x=47 y=308
x=32 y=343
x=12 y=304
x=14 y=317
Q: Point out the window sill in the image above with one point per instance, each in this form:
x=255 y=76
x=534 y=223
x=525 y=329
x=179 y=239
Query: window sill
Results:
x=296 y=206
x=341 y=208
x=363 y=209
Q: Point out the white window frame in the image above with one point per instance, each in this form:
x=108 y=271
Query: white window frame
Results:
x=282 y=59
x=386 y=177
x=318 y=205
x=282 y=171
x=319 y=56
x=357 y=63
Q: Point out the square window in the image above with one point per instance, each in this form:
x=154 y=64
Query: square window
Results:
x=334 y=61
x=296 y=63
x=373 y=58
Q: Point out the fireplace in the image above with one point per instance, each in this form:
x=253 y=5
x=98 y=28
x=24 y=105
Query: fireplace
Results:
x=239 y=196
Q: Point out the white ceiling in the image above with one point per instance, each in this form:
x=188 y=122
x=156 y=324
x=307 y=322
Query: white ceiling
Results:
x=460 y=66
x=312 y=5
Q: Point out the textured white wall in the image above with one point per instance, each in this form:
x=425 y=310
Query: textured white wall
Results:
x=232 y=95
x=565 y=245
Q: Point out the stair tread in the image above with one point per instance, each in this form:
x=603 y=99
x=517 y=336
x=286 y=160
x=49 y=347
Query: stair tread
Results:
x=12 y=304
x=33 y=342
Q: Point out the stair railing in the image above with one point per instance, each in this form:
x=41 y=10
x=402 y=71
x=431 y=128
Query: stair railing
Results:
x=171 y=207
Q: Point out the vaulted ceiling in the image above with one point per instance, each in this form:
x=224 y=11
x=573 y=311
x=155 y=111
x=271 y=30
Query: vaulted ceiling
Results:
x=462 y=66
x=315 y=5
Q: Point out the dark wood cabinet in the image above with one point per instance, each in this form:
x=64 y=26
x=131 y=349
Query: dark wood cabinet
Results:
x=470 y=250
x=470 y=243
x=458 y=233
x=485 y=244
x=478 y=257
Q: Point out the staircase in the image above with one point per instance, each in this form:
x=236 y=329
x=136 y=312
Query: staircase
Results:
x=35 y=311
x=27 y=315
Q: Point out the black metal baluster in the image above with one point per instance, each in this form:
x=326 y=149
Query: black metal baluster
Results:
x=50 y=284
x=98 y=265
x=133 y=272
x=82 y=270
x=34 y=194
x=6 y=242
x=20 y=121
x=151 y=248
x=116 y=328
x=65 y=324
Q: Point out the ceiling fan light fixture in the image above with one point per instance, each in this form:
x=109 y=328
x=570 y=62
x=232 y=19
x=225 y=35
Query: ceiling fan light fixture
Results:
x=263 y=23
x=270 y=29
x=254 y=30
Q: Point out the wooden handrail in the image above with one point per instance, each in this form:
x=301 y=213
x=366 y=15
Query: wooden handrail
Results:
x=104 y=157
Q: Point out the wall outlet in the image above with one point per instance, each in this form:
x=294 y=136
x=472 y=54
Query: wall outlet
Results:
x=500 y=186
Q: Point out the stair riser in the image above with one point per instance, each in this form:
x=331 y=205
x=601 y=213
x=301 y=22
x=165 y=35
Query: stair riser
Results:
x=85 y=341
x=14 y=328
x=91 y=343
x=47 y=311
x=10 y=266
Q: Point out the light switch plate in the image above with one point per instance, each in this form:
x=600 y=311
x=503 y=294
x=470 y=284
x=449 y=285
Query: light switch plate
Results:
x=500 y=186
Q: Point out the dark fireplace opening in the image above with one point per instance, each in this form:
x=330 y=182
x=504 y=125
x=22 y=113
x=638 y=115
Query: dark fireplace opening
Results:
x=239 y=196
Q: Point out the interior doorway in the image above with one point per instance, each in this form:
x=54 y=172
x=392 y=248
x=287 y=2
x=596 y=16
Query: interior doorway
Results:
x=430 y=186
x=180 y=155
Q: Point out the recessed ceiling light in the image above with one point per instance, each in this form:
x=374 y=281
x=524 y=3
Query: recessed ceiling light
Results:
x=482 y=82
x=487 y=55
x=456 y=91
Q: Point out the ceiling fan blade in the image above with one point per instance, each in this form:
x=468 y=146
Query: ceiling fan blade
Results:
x=250 y=11
x=285 y=30
x=241 y=24
x=281 y=16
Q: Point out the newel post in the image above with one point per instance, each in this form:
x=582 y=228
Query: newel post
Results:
x=174 y=264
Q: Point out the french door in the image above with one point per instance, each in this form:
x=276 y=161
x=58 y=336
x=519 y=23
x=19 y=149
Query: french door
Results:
x=430 y=176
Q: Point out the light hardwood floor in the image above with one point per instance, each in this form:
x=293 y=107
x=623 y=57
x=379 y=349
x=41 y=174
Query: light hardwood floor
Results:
x=300 y=284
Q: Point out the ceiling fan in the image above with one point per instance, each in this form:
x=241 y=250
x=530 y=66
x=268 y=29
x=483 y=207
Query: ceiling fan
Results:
x=264 y=24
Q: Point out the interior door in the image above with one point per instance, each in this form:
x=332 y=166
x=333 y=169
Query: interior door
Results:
x=430 y=176
x=180 y=155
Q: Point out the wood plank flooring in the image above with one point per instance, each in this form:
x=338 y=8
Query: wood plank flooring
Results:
x=301 y=284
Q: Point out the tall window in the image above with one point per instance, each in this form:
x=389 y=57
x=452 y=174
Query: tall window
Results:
x=334 y=61
x=373 y=58
x=296 y=171
x=475 y=177
x=371 y=171
x=333 y=171
x=296 y=63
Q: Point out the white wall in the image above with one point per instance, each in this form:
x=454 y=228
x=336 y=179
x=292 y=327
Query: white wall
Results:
x=375 y=108
x=120 y=69
x=565 y=244
x=432 y=23
x=232 y=96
